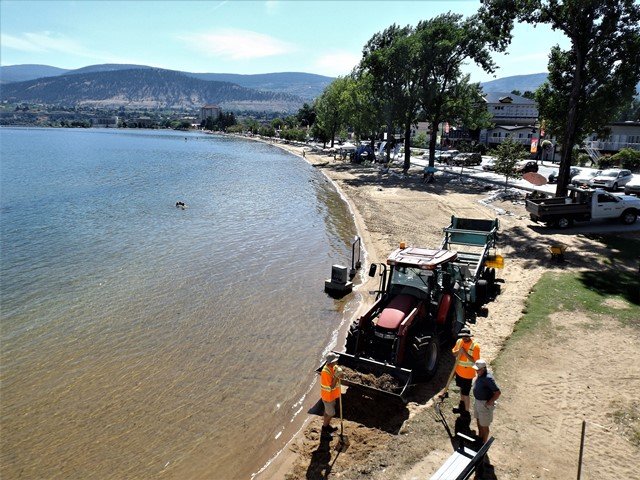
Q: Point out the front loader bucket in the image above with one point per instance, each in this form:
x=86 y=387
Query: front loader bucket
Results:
x=371 y=376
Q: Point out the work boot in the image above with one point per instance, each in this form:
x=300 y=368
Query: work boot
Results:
x=329 y=429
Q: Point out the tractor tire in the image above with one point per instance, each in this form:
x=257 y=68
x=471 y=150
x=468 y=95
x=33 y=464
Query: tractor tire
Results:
x=352 y=337
x=629 y=217
x=428 y=358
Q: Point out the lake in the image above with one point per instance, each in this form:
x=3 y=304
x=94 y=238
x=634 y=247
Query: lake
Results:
x=141 y=340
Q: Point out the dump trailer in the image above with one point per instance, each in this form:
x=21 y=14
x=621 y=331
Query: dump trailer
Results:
x=473 y=240
x=425 y=297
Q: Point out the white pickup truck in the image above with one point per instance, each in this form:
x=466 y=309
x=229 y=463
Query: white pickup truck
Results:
x=583 y=204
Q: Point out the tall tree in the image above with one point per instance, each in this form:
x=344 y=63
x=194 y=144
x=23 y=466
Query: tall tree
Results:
x=589 y=83
x=444 y=44
x=389 y=59
x=329 y=110
x=362 y=108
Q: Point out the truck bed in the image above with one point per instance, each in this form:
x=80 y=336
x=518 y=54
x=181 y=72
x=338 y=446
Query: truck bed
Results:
x=541 y=207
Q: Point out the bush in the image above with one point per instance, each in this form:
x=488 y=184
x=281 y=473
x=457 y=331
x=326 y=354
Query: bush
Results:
x=583 y=159
x=605 y=162
x=627 y=158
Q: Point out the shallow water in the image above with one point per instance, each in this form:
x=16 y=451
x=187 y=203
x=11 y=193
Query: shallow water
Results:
x=140 y=340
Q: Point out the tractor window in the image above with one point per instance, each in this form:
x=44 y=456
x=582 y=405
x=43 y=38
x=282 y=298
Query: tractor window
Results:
x=411 y=277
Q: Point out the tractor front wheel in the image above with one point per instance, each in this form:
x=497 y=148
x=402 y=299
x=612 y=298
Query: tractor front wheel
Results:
x=428 y=358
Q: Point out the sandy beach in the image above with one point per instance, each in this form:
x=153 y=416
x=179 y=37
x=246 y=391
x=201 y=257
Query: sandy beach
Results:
x=548 y=389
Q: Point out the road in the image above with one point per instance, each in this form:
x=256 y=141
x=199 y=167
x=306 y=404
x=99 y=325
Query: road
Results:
x=546 y=168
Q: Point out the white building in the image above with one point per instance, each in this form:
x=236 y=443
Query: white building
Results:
x=210 y=110
x=623 y=135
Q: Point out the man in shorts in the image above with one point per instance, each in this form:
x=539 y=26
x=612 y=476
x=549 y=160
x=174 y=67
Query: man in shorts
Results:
x=486 y=392
x=330 y=391
x=469 y=351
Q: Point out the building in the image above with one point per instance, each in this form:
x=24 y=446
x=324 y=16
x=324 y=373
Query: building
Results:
x=510 y=109
x=105 y=122
x=623 y=135
x=209 y=110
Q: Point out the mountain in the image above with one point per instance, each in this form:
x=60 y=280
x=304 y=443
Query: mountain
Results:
x=144 y=88
x=304 y=85
x=517 y=82
x=22 y=73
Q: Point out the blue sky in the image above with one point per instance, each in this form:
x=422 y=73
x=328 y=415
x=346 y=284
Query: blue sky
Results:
x=233 y=36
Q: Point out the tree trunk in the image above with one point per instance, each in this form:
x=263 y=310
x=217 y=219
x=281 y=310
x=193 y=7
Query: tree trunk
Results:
x=388 y=145
x=570 y=130
x=407 y=147
x=433 y=138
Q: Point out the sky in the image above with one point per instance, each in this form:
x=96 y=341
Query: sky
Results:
x=234 y=36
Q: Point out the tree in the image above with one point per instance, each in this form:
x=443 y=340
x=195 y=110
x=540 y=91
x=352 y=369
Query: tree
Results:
x=361 y=106
x=306 y=115
x=389 y=59
x=507 y=155
x=329 y=111
x=588 y=84
x=444 y=44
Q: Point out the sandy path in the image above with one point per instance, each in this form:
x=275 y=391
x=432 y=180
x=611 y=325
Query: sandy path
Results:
x=536 y=434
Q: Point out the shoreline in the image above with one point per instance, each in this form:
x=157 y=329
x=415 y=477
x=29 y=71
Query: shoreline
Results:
x=405 y=442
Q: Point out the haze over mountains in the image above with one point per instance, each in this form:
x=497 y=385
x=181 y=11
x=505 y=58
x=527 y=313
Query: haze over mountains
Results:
x=140 y=86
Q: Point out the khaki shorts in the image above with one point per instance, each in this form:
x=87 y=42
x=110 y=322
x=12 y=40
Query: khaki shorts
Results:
x=330 y=408
x=483 y=413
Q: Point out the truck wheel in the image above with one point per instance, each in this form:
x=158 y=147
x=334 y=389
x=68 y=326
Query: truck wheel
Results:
x=629 y=216
x=564 y=222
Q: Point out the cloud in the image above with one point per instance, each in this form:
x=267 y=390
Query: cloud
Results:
x=45 y=42
x=337 y=63
x=237 y=44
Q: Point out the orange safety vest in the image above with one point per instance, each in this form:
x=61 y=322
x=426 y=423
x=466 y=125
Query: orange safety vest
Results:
x=464 y=366
x=328 y=392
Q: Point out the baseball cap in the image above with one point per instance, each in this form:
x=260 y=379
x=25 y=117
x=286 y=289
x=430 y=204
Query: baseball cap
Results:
x=480 y=364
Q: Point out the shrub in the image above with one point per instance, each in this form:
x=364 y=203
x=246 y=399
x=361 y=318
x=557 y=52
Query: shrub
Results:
x=583 y=159
x=605 y=162
x=627 y=158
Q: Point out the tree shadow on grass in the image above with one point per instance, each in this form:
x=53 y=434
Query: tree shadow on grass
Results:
x=625 y=284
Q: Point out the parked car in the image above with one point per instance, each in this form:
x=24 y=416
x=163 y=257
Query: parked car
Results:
x=446 y=156
x=553 y=176
x=466 y=159
x=525 y=166
x=633 y=187
x=585 y=177
x=612 y=178
x=489 y=164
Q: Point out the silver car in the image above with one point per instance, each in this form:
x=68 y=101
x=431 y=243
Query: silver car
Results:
x=585 y=177
x=633 y=187
x=612 y=178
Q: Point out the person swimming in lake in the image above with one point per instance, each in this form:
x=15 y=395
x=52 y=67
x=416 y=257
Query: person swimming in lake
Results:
x=181 y=205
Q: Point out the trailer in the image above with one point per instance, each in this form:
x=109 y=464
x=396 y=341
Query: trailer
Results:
x=473 y=240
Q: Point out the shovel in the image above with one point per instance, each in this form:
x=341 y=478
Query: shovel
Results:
x=442 y=394
x=343 y=443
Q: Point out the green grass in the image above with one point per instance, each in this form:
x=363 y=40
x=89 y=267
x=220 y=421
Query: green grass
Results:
x=581 y=291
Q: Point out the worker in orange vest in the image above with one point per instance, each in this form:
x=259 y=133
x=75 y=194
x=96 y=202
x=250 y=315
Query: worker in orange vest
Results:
x=330 y=390
x=469 y=351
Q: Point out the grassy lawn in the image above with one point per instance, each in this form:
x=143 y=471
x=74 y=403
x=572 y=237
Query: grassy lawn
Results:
x=593 y=292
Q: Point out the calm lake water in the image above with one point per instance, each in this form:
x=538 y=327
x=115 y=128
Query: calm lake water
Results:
x=144 y=341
